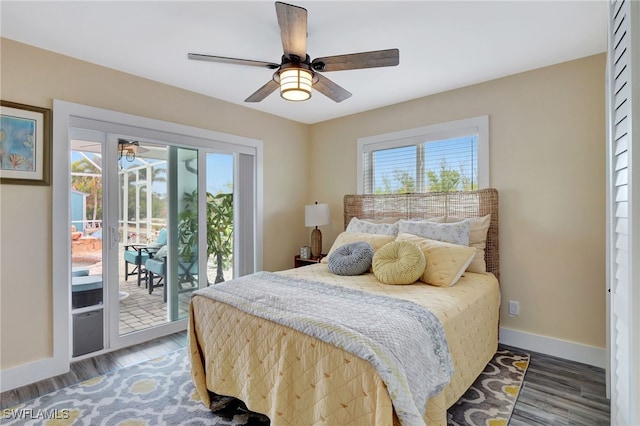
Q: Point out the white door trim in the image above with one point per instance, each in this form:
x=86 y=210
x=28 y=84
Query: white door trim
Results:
x=63 y=113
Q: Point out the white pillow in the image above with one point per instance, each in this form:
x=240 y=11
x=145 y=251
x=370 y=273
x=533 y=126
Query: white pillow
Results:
x=478 y=228
x=162 y=252
x=454 y=233
x=367 y=227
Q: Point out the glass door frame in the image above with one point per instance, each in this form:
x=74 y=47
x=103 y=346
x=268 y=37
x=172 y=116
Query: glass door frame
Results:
x=115 y=204
x=66 y=115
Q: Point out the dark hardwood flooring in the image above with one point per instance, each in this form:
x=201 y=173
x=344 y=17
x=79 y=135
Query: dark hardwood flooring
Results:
x=560 y=392
x=555 y=392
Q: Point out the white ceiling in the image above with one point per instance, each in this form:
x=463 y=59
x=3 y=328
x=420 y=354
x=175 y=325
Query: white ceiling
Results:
x=443 y=44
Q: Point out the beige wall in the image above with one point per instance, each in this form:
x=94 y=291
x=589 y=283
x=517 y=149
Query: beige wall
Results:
x=547 y=161
x=36 y=77
x=547 y=153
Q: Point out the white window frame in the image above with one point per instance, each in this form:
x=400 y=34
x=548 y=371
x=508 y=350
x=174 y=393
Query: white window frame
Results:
x=475 y=126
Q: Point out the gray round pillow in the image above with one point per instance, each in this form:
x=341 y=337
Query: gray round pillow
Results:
x=351 y=259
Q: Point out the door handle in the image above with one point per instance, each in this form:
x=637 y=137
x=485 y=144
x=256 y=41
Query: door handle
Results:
x=114 y=237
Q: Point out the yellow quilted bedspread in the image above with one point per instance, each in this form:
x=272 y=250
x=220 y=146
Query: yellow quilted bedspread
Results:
x=298 y=380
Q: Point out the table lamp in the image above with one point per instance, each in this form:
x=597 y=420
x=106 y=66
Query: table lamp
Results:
x=316 y=215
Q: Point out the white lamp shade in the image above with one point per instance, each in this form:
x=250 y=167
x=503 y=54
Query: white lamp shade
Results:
x=316 y=214
x=295 y=84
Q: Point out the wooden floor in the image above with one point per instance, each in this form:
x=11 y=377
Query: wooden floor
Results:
x=559 y=392
x=555 y=392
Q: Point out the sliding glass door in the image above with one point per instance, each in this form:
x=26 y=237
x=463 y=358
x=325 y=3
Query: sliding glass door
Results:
x=170 y=209
x=159 y=224
x=142 y=202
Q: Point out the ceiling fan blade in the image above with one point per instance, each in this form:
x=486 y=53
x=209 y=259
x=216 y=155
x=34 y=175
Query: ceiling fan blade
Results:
x=235 y=61
x=263 y=92
x=373 y=59
x=293 y=29
x=331 y=89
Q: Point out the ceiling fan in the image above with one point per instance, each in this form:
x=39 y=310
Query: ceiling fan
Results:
x=297 y=73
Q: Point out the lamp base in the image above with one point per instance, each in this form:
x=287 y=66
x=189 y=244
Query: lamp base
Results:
x=316 y=242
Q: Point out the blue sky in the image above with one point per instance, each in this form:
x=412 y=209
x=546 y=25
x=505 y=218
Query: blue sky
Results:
x=219 y=172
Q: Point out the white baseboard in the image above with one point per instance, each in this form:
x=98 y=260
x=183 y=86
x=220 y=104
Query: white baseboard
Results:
x=578 y=352
x=32 y=372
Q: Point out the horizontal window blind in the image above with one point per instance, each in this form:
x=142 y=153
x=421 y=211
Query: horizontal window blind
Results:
x=433 y=166
x=450 y=156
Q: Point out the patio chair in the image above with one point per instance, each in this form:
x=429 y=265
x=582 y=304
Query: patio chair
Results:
x=187 y=274
x=156 y=267
x=138 y=254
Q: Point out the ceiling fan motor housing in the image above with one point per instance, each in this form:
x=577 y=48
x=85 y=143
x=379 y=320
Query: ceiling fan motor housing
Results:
x=295 y=63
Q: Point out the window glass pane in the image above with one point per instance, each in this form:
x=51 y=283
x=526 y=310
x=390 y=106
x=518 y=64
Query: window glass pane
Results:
x=394 y=170
x=452 y=165
x=219 y=217
x=183 y=271
x=143 y=183
x=438 y=166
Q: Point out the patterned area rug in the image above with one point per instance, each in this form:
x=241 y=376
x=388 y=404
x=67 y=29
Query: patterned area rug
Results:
x=160 y=392
x=491 y=398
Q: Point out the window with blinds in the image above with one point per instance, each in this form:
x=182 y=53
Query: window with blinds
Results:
x=441 y=158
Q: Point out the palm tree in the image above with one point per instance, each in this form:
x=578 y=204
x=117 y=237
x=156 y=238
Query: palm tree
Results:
x=87 y=184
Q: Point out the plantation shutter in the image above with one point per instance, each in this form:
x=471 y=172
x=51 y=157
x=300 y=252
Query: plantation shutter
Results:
x=623 y=210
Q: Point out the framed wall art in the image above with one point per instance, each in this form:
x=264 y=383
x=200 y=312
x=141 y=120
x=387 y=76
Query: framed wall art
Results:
x=25 y=144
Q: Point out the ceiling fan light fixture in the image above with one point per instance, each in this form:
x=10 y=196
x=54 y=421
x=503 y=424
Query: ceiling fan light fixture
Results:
x=295 y=84
x=127 y=149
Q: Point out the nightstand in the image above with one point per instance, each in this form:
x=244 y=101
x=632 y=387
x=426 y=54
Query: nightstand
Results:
x=304 y=262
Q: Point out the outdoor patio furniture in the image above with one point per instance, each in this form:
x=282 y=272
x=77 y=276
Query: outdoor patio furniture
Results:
x=156 y=267
x=86 y=290
x=138 y=254
x=79 y=271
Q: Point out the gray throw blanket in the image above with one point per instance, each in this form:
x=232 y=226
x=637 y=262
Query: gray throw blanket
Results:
x=404 y=341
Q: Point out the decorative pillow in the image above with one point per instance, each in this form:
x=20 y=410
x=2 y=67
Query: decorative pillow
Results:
x=454 y=233
x=445 y=262
x=399 y=262
x=397 y=219
x=375 y=241
x=351 y=259
x=477 y=238
x=162 y=252
x=367 y=227
x=383 y=220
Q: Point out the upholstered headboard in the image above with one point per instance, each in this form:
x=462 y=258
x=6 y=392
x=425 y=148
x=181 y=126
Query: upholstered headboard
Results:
x=418 y=206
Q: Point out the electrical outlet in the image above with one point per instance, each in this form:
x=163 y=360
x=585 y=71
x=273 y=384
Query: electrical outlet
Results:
x=514 y=308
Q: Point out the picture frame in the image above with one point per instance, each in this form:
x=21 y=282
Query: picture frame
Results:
x=25 y=144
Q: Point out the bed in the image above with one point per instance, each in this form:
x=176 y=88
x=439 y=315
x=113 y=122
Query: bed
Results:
x=297 y=379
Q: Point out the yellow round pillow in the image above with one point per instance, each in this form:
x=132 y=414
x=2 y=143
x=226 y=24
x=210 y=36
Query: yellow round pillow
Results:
x=399 y=262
